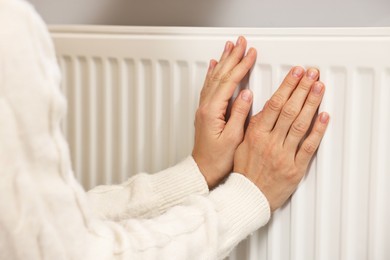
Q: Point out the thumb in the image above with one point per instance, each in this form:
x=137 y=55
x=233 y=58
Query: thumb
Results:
x=239 y=112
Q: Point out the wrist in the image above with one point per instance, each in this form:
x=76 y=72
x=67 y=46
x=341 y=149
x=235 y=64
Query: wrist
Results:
x=206 y=169
x=261 y=186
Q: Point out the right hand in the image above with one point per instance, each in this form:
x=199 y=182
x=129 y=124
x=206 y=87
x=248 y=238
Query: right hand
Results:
x=272 y=154
x=217 y=139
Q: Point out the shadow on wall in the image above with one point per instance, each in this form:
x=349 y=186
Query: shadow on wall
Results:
x=217 y=13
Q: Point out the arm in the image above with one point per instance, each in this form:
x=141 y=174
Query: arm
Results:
x=208 y=227
x=146 y=195
x=216 y=140
x=201 y=228
x=268 y=173
x=47 y=214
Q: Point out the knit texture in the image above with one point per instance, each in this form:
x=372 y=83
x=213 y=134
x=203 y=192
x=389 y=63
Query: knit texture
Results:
x=149 y=195
x=45 y=213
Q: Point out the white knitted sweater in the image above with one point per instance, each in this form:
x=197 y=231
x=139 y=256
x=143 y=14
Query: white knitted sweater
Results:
x=45 y=213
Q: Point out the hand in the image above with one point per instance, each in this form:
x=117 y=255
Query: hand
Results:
x=215 y=139
x=272 y=155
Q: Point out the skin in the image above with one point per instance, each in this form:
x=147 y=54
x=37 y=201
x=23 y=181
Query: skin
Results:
x=216 y=140
x=277 y=147
x=271 y=155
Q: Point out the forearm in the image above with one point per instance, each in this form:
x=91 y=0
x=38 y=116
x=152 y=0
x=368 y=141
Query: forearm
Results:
x=241 y=208
x=148 y=195
x=204 y=227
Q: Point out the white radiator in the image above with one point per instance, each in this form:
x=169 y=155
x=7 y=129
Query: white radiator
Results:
x=133 y=92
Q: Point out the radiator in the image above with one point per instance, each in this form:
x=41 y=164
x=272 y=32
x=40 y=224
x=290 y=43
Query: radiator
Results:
x=132 y=93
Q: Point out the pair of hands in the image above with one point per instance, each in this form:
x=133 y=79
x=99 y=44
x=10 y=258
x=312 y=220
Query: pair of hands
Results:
x=275 y=151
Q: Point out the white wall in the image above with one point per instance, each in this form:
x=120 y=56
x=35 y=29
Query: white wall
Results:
x=230 y=13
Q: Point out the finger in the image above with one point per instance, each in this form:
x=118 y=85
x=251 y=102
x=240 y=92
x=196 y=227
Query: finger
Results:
x=213 y=63
x=271 y=110
x=311 y=143
x=301 y=125
x=231 y=80
x=232 y=59
x=294 y=105
x=228 y=49
x=239 y=113
x=206 y=90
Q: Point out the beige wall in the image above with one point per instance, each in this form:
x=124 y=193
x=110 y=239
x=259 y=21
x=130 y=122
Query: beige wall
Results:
x=231 y=13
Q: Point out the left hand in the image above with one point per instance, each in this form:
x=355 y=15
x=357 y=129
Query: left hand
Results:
x=279 y=142
x=216 y=139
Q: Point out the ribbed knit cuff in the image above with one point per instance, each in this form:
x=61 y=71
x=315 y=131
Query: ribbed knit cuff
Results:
x=242 y=209
x=176 y=183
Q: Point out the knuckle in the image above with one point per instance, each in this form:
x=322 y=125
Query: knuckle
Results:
x=293 y=176
x=227 y=77
x=309 y=148
x=312 y=101
x=202 y=112
x=299 y=128
x=254 y=120
x=290 y=83
x=215 y=77
x=275 y=103
x=241 y=110
x=253 y=124
x=318 y=133
x=290 y=112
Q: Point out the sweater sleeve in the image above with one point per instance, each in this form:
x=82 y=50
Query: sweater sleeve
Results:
x=204 y=227
x=148 y=195
x=45 y=213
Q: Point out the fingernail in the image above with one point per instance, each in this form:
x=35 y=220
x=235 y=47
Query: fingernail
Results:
x=312 y=74
x=211 y=65
x=228 y=46
x=317 y=88
x=246 y=95
x=239 y=40
x=297 y=72
x=324 y=118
